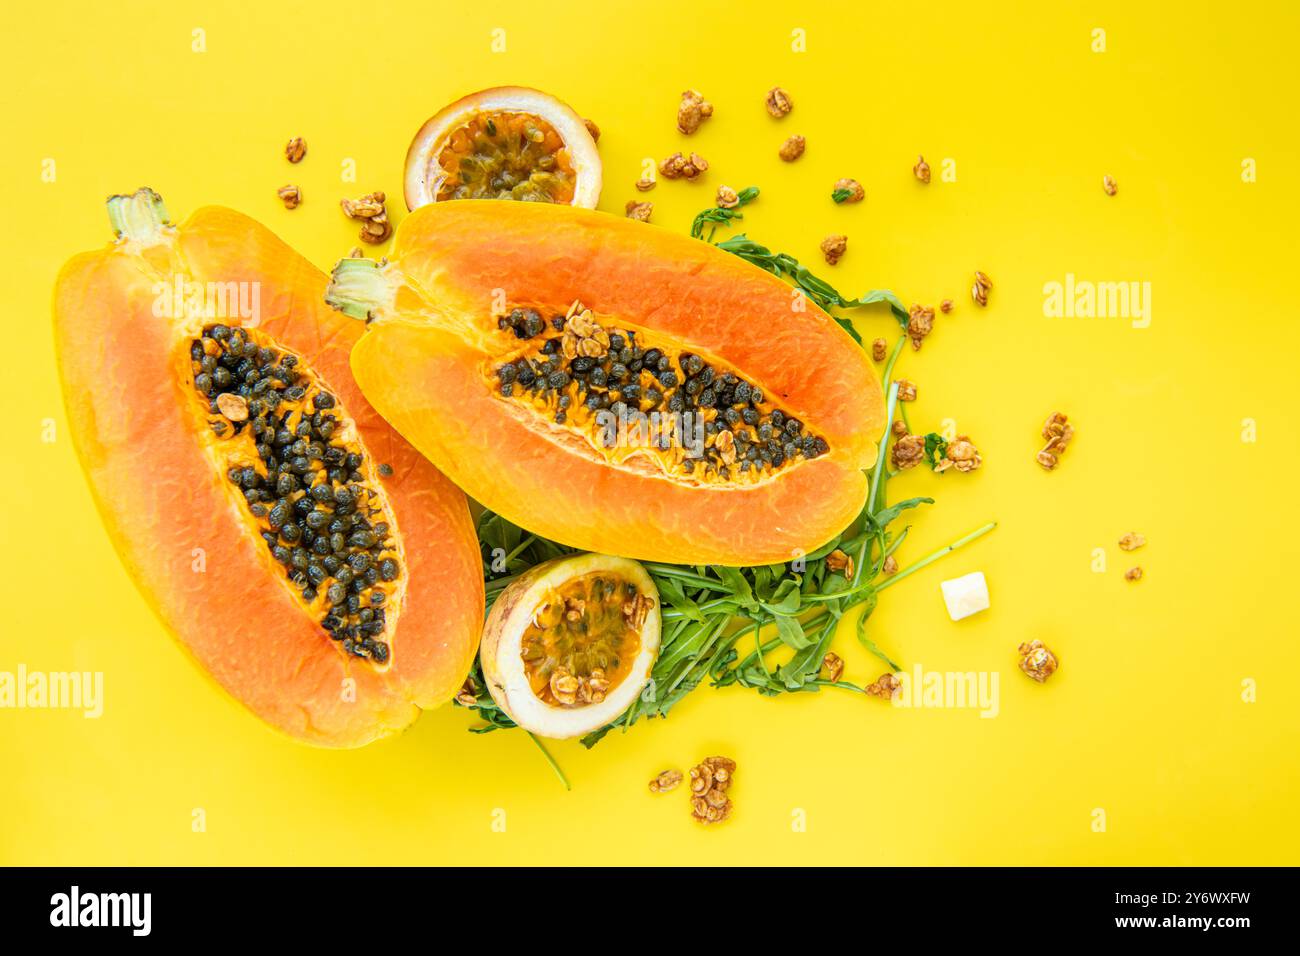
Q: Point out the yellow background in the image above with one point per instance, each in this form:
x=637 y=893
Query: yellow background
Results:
x=1144 y=721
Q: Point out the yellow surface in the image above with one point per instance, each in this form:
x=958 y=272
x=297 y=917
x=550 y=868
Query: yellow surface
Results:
x=1144 y=721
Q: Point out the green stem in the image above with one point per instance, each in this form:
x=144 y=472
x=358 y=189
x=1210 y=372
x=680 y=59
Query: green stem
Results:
x=931 y=558
x=881 y=457
x=357 y=288
x=139 y=217
x=549 y=759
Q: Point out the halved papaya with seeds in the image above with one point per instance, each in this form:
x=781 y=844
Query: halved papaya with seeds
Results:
x=318 y=567
x=613 y=386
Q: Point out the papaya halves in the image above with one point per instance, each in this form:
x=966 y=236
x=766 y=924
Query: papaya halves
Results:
x=319 y=568
x=615 y=386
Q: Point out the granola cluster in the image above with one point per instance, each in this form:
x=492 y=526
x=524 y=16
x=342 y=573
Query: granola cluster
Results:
x=833 y=667
x=960 y=455
x=709 y=783
x=678 y=166
x=980 y=290
x=1058 y=431
x=921 y=170
x=885 y=686
x=666 y=780
x=792 y=148
x=640 y=211
x=920 y=323
x=1037 y=661
x=693 y=111
x=778 y=102
x=373 y=214
x=570 y=689
x=834 y=247
x=837 y=560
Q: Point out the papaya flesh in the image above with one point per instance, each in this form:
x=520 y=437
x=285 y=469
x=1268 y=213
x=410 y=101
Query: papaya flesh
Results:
x=615 y=386
x=320 y=569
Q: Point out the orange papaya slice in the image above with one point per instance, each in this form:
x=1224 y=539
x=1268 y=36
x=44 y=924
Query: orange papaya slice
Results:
x=615 y=386
x=318 y=567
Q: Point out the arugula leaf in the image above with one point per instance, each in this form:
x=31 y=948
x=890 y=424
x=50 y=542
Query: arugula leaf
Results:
x=936 y=447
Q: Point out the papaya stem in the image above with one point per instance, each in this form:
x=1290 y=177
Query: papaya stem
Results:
x=357 y=288
x=139 y=217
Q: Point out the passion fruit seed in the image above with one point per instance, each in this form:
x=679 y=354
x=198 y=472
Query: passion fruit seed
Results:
x=583 y=639
x=313 y=504
x=589 y=368
x=506 y=155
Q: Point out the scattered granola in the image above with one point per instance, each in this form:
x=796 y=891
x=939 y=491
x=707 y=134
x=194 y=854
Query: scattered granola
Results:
x=640 y=211
x=692 y=112
x=1132 y=541
x=906 y=390
x=233 y=406
x=960 y=454
x=920 y=323
x=838 y=560
x=1109 y=184
x=665 y=781
x=295 y=149
x=291 y=195
x=921 y=170
x=678 y=166
x=1037 y=661
x=899 y=428
x=890 y=566
x=793 y=148
x=879 y=349
x=834 y=247
x=778 y=102
x=1133 y=574
x=885 y=686
x=980 y=290
x=727 y=198
x=907 y=452
x=636 y=610
x=833 y=665
x=375 y=227
x=645 y=184
x=1058 y=431
x=466 y=695
x=710 y=780
x=848 y=190
x=593 y=129
x=946 y=306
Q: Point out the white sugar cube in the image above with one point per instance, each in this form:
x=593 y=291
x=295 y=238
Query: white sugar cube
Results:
x=966 y=595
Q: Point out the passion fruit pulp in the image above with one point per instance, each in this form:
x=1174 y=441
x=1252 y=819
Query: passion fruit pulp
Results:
x=504 y=143
x=571 y=643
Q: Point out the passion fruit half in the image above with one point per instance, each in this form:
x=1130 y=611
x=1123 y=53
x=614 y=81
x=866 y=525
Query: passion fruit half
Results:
x=570 y=644
x=509 y=142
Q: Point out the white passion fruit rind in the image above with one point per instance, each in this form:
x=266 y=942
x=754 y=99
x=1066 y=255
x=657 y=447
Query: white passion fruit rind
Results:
x=509 y=142
x=570 y=644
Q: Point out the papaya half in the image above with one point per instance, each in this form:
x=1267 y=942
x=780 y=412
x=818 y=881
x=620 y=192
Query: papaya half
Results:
x=615 y=386
x=318 y=567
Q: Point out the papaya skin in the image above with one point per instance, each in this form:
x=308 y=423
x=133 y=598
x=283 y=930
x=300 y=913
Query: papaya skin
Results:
x=426 y=359
x=193 y=554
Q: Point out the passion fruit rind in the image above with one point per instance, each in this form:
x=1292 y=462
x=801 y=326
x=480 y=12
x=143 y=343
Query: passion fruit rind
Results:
x=513 y=683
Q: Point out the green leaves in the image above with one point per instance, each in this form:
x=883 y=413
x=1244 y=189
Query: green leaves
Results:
x=839 y=195
x=719 y=215
x=936 y=447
